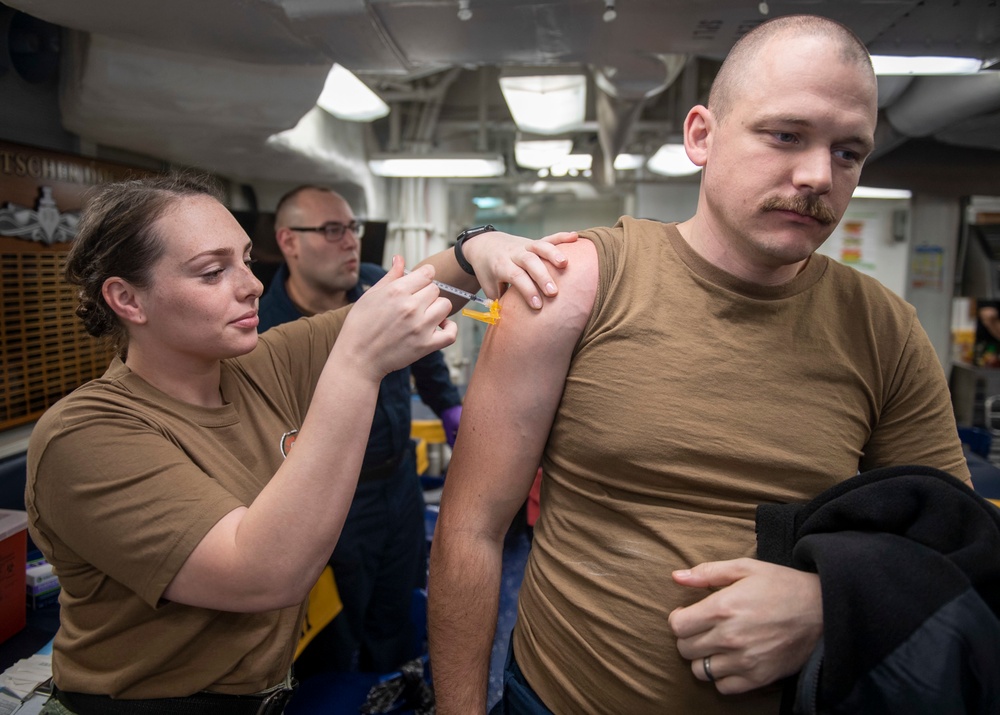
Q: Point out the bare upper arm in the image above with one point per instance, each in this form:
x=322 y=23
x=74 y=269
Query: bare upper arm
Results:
x=214 y=576
x=513 y=396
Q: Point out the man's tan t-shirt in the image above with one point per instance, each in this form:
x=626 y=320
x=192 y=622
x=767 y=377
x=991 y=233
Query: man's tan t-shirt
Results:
x=691 y=398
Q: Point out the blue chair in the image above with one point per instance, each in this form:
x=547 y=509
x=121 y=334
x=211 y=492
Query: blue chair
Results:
x=985 y=476
x=979 y=440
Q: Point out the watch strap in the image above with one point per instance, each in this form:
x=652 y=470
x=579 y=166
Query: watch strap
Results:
x=462 y=238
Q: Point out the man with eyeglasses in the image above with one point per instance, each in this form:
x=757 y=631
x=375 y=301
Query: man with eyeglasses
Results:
x=381 y=555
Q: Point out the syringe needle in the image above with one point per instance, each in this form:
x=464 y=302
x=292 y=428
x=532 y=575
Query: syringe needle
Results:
x=494 y=306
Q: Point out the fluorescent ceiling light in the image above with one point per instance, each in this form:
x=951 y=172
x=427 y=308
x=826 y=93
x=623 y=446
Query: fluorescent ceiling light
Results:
x=347 y=97
x=573 y=165
x=437 y=166
x=672 y=160
x=898 y=65
x=870 y=192
x=546 y=104
x=487 y=202
x=629 y=162
x=541 y=154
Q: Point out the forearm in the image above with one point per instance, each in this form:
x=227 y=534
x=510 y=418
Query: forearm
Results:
x=507 y=416
x=463 y=590
x=447 y=270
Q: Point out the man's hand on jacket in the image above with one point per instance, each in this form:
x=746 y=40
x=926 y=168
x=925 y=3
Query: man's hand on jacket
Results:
x=759 y=623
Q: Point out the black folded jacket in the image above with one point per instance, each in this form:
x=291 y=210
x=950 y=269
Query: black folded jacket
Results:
x=909 y=565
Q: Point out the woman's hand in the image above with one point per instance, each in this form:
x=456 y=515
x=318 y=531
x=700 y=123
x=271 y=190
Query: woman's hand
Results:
x=397 y=321
x=500 y=259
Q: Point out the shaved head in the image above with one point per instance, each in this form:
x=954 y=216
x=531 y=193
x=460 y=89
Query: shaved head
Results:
x=289 y=211
x=738 y=69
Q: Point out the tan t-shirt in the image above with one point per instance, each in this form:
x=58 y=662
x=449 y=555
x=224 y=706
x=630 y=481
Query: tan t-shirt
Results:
x=693 y=397
x=124 y=481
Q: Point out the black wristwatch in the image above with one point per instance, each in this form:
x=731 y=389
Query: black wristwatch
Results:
x=462 y=238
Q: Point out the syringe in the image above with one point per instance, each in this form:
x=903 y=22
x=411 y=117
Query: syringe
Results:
x=494 y=306
x=463 y=293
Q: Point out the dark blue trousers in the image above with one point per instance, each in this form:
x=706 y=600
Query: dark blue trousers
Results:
x=518 y=697
x=380 y=559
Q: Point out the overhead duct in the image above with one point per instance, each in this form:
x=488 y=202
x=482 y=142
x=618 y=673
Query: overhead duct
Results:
x=932 y=104
x=124 y=95
x=622 y=91
x=890 y=87
x=253 y=31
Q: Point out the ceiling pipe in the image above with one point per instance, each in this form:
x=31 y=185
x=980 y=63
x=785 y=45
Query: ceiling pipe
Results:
x=890 y=87
x=932 y=104
x=484 y=107
x=382 y=32
x=622 y=91
x=431 y=111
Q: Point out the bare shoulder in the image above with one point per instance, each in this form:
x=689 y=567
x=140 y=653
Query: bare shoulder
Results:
x=568 y=310
x=579 y=278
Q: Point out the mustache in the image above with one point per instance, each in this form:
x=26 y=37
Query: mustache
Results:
x=811 y=206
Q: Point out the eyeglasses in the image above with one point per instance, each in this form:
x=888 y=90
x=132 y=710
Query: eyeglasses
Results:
x=334 y=232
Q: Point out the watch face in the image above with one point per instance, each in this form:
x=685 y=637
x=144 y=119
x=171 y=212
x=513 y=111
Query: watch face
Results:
x=470 y=232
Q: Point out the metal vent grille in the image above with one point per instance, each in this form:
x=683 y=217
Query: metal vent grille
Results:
x=45 y=352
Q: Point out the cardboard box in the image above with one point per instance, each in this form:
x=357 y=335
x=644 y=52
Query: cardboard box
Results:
x=13 y=555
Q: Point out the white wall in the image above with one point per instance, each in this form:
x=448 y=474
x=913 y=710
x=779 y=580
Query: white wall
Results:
x=934 y=230
x=866 y=241
x=667 y=202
